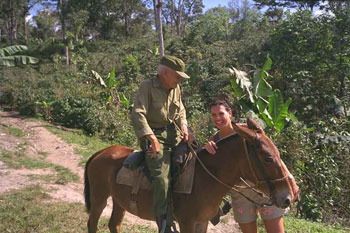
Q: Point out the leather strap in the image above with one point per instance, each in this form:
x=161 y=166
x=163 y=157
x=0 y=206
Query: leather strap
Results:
x=134 y=191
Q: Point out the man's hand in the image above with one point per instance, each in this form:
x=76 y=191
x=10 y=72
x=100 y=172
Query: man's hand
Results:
x=187 y=134
x=154 y=148
x=184 y=131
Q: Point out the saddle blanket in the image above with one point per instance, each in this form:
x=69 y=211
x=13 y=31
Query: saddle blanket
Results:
x=136 y=177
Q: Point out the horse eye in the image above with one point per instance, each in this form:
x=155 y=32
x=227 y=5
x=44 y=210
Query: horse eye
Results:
x=268 y=160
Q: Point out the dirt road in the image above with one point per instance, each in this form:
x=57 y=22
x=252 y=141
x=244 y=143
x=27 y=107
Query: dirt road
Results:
x=38 y=140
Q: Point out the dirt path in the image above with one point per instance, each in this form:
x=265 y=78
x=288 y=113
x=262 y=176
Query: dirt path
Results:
x=38 y=140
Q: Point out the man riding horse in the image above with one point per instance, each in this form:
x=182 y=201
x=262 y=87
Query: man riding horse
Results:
x=159 y=120
x=157 y=112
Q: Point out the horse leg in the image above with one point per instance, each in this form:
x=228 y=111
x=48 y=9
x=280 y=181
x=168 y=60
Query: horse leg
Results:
x=187 y=227
x=115 y=222
x=193 y=227
x=98 y=203
x=201 y=227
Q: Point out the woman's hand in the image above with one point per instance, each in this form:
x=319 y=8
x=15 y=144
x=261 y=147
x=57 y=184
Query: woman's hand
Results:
x=295 y=188
x=211 y=147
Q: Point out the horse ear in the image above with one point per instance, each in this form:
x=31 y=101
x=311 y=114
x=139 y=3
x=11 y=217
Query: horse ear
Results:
x=244 y=132
x=253 y=125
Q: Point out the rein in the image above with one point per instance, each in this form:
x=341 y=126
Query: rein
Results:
x=221 y=182
x=235 y=187
x=266 y=179
x=257 y=181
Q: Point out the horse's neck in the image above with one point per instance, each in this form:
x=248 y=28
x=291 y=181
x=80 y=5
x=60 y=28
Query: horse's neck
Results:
x=223 y=166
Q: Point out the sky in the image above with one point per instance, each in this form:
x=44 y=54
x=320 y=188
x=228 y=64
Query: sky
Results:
x=214 y=3
x=207 y=5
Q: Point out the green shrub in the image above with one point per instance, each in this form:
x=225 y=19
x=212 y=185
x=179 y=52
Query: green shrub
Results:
x=318 y=158
x=77 y=113
x=117 y=126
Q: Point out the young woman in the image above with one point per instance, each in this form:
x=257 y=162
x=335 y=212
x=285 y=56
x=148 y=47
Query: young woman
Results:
x=245 y=212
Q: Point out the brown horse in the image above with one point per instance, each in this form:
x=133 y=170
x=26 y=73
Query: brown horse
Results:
x=262 y=165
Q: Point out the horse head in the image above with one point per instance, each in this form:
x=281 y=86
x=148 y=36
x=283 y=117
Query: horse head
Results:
x=266 y=171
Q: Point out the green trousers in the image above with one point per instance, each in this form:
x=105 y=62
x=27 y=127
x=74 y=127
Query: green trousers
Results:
x=159 y=168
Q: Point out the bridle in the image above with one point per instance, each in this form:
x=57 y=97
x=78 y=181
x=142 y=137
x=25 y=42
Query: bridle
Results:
x=250 y=152
x=236 y=188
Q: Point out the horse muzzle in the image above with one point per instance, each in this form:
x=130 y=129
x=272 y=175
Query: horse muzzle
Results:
x=283 y=200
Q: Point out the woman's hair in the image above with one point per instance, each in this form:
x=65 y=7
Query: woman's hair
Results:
x=222 y=102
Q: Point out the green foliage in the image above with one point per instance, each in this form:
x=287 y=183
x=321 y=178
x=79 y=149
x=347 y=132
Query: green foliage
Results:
x=47 y=108
x=46 y=21
x=111 y=96
x=309 y=53
x=212 y=26
x=316 y=157
x=311 y=64
x=77 y=113
x=7 y=57
x=263 y=99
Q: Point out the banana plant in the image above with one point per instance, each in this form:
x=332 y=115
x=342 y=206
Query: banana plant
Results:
x=111 y=85
x=47 y=106
x=7 y=57
x=264 y=100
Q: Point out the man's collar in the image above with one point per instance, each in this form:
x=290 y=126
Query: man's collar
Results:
x=156 y=82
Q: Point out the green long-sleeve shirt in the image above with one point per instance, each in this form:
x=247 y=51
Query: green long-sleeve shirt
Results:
x=155 y=107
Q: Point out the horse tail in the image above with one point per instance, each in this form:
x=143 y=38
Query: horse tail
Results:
x=87 y=184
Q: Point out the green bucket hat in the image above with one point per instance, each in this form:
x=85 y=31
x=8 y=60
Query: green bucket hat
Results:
x=175 y=64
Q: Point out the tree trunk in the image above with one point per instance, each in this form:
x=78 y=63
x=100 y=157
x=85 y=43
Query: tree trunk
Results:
x=172 y=17
x=158 y=9
x=178 y=18
x=126 y=24
x=11 y=24
x=61 y=9
x=25 y=28
x=126 y=15
x=67 y=55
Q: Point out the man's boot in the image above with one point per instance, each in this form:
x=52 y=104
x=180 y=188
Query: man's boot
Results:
x=216 y=218
x=226 y=208
x=221 y=212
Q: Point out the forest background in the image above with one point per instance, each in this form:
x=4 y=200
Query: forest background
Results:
x=286 y=63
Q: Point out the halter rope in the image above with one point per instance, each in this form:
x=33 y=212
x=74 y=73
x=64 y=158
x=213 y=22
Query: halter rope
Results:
x=236 y=187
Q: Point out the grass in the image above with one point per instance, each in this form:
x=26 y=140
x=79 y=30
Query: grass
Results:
x=28 y=211
x=12 y=131
x=17 y=160
x=74 y=213
x=296 y=225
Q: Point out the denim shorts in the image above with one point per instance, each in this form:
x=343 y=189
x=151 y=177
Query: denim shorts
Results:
x=245 y=211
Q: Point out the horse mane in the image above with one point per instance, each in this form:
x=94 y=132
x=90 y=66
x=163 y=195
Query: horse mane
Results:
x=219 y=143
x=227 y=139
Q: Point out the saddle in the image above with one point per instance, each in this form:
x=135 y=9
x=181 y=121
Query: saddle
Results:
x=134 y=173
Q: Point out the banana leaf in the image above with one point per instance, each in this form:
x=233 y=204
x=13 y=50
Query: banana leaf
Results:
x=241 y=79
x=99 y=78
x=10 y=50
x=17 y=60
